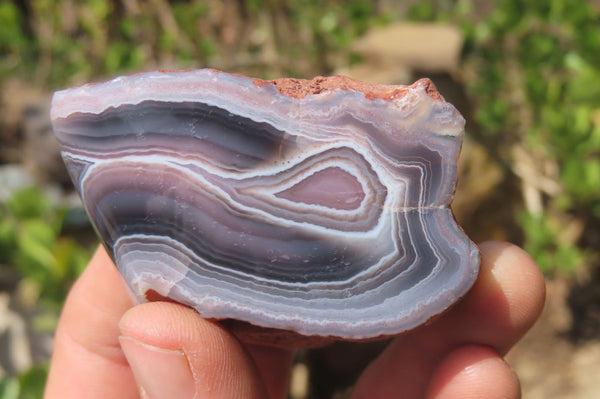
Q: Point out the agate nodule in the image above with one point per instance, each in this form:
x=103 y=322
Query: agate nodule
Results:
x=320 y=207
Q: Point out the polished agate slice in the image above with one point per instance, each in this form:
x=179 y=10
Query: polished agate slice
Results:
x=320 y=207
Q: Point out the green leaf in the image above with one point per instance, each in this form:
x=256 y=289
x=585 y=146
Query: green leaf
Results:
x=9 y=388
x=582 y=178
x=28 y=203
x=33 y=381
x=35 y=242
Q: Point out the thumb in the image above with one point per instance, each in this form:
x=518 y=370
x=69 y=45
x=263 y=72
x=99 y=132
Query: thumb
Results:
x=174 y=353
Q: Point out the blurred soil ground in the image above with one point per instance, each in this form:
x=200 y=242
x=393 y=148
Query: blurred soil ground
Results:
x=553 y=360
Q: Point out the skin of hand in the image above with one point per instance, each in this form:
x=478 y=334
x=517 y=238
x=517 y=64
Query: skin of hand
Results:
x=105 y=347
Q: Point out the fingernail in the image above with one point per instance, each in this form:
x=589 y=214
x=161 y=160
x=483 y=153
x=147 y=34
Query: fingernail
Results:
x=160 y=373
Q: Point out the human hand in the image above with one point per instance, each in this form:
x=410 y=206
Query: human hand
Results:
x=106 y=347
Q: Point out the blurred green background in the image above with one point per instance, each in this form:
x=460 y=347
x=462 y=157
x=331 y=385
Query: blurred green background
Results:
x=526 y=75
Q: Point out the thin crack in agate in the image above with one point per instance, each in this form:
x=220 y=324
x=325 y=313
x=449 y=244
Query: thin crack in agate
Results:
x=324 y=212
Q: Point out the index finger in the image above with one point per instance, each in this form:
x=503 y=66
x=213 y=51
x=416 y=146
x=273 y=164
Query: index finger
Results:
x=87 y=360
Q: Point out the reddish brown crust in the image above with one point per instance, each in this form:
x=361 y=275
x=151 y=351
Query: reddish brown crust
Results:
x=153 y=296
x=265 y=336
x=300 y=88
x=286 y=339
x=430 y=88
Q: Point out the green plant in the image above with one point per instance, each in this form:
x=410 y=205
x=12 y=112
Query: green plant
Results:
x=532 y=70
x=28 y=385
x=48 y=263
x=31 y=243
x=101 y=38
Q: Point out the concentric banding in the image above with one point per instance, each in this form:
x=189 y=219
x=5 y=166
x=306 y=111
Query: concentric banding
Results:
x=326 y=215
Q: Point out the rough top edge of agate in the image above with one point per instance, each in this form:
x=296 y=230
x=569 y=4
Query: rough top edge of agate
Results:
x=189 y=85
x=300 y=88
